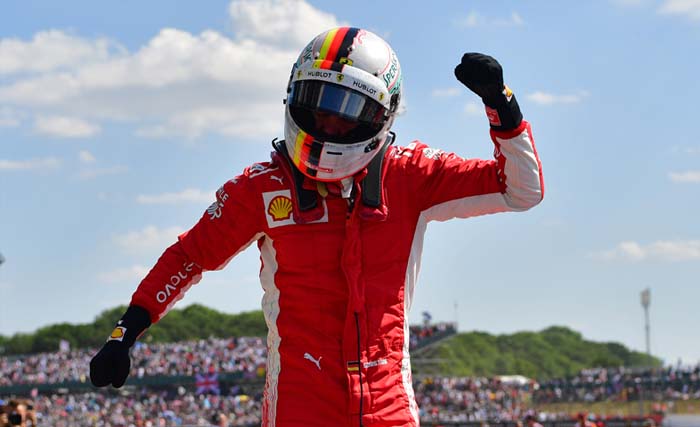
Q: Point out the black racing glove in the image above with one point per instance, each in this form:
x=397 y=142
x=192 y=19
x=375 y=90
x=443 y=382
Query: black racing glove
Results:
x=483 y=75
x=111 y=364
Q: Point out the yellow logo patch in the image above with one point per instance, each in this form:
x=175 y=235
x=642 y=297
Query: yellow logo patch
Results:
x=118 y=333
x=280 y=208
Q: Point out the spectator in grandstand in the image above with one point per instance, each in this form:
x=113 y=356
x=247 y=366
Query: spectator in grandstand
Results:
x=583 y=421
x=245 y=355
x=456 y=399
x=338 y=215
x=427 y=333
x=18 y=412
x=531 y=421
x=447 y=400
x=622 y=384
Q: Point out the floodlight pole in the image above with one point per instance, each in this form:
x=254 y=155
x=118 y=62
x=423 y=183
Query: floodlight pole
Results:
x=456 y=316
x=646 y=302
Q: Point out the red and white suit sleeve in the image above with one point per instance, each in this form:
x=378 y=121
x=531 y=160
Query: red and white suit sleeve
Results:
x=453 y=187
x=227 y=227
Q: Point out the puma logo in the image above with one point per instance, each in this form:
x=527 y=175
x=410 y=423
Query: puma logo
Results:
x=278 y=178
x=316 y=362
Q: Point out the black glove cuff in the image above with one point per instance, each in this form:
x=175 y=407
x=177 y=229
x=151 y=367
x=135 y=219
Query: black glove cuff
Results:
x=134 y=321
x=503 y=111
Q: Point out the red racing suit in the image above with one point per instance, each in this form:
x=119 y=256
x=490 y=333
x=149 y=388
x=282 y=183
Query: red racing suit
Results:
x=338 y=288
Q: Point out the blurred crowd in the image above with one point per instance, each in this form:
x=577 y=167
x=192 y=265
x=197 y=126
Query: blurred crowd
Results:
x=623 y=384
x=441 y=399
x=238 y=403
x=421 y=335
x=245 y=355
x=459 y=399
x=147 y=409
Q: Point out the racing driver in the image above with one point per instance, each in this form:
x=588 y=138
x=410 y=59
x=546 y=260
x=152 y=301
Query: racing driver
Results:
x=339 y=214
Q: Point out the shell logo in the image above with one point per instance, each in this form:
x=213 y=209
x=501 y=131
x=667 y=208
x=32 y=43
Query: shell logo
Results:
x=507 y=92
x=280 y=208
x=118 y=333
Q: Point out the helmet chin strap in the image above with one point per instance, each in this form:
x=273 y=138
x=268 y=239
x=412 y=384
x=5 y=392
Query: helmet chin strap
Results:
x=307 y=200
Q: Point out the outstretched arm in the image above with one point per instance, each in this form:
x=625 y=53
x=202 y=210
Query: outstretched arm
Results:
x=226 y=228
x=455 y=187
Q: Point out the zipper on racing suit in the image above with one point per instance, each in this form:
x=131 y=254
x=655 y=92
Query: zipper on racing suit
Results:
x=351 y=205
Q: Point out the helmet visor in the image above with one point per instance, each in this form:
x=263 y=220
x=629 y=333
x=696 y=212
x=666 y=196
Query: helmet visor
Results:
x=335 y=113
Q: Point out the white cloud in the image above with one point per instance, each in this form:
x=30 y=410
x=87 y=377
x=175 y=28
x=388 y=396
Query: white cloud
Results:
x=682 y=177
x=86 y=157
x=178 y=83
x=9 y=117
x=246 y=122
x=545 y=98
x=65 y=127
x=50 y=50
x=32 y=164
x=188 y=195
x=90 y=170
x=97 y=172
x=685 y=150
x=474 y=19
x=290 y=23
x=447 y=93
x=686 y=8
x=663 y=250
x=474 y=109
x=149 y=239
x=123 y=275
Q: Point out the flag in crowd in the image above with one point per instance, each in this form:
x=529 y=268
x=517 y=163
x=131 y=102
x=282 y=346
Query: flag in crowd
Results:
x=207 y=383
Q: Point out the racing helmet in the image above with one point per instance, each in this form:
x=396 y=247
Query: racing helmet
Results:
x=342 y=97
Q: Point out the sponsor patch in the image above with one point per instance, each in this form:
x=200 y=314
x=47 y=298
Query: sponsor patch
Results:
x=117 y=334
x=492 y=114
x=279 y=210
x=373 y=363
x=214 y=210
x=432 y=153
x=507 y=92
x=259 y=169
x=406 y=151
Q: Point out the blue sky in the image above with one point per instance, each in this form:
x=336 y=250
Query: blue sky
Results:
x=119 y=121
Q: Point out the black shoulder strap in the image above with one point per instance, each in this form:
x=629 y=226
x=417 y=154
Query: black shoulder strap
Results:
x=306 y=199
x=372 y=183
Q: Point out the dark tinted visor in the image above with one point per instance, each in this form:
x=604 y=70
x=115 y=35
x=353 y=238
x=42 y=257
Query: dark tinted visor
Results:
x=309 y=96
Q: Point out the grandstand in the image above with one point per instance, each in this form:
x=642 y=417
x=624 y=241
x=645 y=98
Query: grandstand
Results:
x=219 y=382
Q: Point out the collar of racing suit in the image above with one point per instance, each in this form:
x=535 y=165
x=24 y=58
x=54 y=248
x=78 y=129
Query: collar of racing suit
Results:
x=306 y=196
